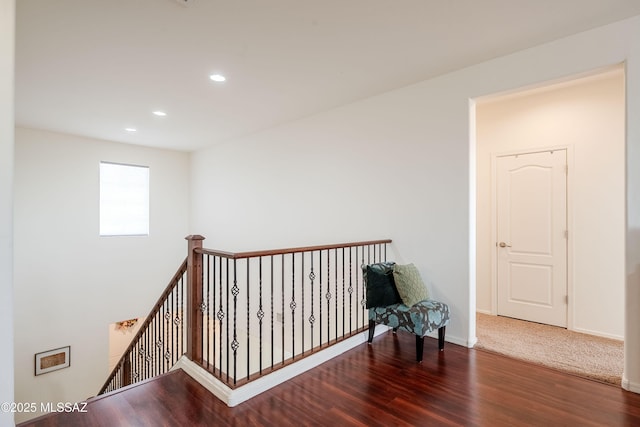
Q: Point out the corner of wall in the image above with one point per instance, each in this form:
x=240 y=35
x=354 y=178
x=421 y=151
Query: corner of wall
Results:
x=7 y=37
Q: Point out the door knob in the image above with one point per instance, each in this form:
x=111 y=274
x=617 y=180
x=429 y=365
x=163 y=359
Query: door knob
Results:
x=503 y=245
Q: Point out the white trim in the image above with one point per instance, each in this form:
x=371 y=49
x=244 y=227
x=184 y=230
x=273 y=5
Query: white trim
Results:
x=233 y=397
x=630 y=386
x=473 y=220
x=494 y=232
x=208 y=381
x=471 y=342
x=571 y=237
x=599 y=334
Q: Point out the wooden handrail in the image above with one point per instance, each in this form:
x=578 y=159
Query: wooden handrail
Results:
x=251 y=254
x=193 y=269
x=172 y=283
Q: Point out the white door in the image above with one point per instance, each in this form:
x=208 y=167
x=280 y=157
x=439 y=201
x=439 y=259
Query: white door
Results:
x=531 y=241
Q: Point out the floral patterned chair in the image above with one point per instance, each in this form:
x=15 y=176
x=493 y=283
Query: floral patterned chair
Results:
x=397 y=297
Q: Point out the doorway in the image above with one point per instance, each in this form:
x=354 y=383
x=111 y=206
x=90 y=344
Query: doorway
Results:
x=585 y=117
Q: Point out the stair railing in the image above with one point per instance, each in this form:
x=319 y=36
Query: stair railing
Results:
x=160 y=341
x=243 y=315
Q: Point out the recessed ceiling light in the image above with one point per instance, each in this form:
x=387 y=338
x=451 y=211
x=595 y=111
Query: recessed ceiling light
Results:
x=217 y=78
x=131 y=129
x=160 y=113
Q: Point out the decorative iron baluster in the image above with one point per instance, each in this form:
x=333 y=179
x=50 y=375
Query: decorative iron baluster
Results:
x=335 y=282
x=126 y=370
x=176 y=321
x=328 y=297
x=132 y=362
x=174 y=327
x=350 y=290
x=171 y=326
x=312 y=319
x=260 y=314
x=343 y=296
x=292 y=306
x=248 y=317
x=320 y=295
x=234 y=344
x=207 y=332
x=151 y=352
x=227 y=322
x=216 y=329
x=149 y=356
x=145 y=359
x=220 y=316
x=271 y=306
x=165 y=337
x=282 y=302
x=158 y=344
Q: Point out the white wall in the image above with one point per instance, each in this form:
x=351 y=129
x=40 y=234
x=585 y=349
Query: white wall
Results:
x=7 y=14
x=119 y=339
x=395 y=165
x=361 y=172
x=70 y=284
x=588 y=116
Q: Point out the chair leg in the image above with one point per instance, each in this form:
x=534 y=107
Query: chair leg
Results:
x=419 y=347
x=372 y=329
x=441 y=332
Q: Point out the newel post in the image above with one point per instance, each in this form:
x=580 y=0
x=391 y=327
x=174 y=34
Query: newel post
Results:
x=194 y=298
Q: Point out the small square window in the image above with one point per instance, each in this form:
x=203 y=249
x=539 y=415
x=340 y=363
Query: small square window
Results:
x=124 y=200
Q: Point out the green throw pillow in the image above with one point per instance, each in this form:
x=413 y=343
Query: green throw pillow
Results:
x=409 y=284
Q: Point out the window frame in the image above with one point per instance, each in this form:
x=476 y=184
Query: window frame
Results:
x=146 y=202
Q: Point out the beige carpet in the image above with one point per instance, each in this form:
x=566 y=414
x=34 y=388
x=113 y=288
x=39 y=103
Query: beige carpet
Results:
x=581 y=354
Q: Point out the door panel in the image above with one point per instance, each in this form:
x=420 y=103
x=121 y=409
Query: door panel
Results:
x=531 y=237
x=531 y=284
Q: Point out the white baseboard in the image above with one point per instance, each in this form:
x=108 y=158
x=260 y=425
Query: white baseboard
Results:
x=233 y=397
x=630 y=386
x=452 y=339
x=208 y=381
x=598 y=334
x=484 y=312
x=472 y=342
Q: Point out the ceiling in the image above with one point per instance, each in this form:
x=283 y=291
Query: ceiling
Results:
x=95 y=67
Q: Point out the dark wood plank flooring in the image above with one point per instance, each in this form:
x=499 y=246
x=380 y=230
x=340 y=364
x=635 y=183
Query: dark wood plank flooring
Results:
x=379 y=385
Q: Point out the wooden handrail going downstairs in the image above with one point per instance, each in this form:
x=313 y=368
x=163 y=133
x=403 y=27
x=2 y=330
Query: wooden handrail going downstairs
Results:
x=156 y=307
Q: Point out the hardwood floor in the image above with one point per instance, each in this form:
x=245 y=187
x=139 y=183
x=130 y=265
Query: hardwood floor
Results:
x=379 y=385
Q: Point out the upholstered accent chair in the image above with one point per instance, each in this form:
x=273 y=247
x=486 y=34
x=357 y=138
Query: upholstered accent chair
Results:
x=397 y=297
